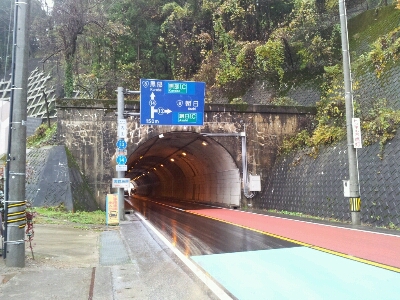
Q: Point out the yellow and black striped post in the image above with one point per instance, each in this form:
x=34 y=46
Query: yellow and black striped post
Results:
x=17 y=216
x=355 y=208
x=355 y=204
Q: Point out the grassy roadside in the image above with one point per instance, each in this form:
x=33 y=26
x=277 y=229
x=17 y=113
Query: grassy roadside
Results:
x=59 y=215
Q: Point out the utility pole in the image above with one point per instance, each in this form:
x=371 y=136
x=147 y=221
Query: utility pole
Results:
x=15 y=219
x=354 y=186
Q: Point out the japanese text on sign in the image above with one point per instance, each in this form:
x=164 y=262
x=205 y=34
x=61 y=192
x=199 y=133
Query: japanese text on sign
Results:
x=356 y=133
x=112 y=217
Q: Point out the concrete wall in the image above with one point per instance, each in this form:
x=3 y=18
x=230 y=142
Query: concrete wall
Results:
x=53 y=179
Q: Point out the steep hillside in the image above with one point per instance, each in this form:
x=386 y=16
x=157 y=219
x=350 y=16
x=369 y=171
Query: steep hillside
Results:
x=367 y=27
x=312 y=185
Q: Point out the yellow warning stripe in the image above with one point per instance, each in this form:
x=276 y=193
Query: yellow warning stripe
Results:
x=16 y=213
x=369 y=262
x=16 y=204
x=355 y=204
x=16 y=220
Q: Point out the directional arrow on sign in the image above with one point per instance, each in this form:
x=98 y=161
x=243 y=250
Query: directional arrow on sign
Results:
x=162 y=111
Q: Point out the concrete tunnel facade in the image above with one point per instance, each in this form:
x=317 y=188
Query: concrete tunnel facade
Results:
x=187 y=166
x=208 y=173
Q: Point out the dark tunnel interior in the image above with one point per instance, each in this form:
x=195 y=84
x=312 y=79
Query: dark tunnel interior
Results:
x=186 y=166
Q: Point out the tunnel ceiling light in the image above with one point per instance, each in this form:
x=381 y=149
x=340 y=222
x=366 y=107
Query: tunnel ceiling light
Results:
x=183 y=153
x=161 y=165
x=204 y=143
x=172 y=159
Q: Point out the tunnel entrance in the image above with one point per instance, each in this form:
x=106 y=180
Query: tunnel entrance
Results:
x=186 y=166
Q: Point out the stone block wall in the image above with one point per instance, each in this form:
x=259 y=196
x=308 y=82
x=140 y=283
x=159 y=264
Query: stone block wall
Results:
x=90 y=136
x=89 y=132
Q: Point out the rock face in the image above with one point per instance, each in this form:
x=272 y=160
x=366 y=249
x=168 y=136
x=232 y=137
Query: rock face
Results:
x=52 y=179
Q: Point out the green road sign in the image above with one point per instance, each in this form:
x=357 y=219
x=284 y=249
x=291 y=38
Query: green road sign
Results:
x=187 y=117
x=177 y=88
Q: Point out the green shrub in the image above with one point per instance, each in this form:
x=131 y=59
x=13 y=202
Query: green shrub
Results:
x=380 y=124
x=43 y=136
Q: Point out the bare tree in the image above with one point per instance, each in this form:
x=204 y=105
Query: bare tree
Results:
x=67 y=21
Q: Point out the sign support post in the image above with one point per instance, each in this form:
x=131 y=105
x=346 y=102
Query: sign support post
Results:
x=121 y=174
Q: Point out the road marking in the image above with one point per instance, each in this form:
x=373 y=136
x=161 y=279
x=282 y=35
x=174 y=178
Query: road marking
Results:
x=348 y=256
x=205 y=277
x=298 y=273
x=369 y=262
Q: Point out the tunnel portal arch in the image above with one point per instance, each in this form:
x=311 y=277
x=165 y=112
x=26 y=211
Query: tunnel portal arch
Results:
x=88 y=129
x=186 y=166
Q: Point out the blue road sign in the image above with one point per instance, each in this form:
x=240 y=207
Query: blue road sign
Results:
x=169 y=102
x=121 y=144
x=121 y=160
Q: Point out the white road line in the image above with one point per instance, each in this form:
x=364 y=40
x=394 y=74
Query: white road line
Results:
x=219 y=292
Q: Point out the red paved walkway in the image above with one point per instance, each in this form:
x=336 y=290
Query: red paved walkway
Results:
x=376 y=247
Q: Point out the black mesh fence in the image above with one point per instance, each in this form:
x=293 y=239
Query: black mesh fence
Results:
x=314 y=186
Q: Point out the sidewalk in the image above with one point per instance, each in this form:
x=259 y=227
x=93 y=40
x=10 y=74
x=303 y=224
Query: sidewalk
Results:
x=121 y=262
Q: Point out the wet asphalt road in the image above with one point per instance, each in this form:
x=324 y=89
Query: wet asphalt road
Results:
x=196 y=235
x=264 y=257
